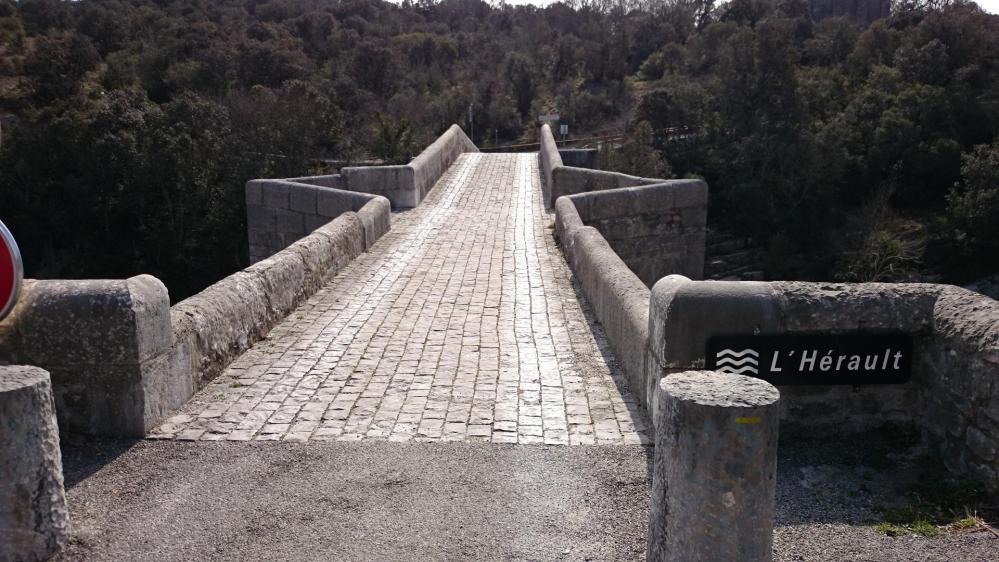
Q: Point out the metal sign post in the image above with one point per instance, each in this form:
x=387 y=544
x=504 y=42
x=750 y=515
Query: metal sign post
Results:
x=11 y=271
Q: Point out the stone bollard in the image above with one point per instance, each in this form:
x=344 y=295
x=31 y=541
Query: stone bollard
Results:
x=33 y=518
x=715 y=468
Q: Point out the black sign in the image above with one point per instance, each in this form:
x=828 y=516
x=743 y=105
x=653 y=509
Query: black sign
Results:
x=796 y=359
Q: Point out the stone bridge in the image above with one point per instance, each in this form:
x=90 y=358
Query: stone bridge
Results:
x=500 y=298
x=460 y=323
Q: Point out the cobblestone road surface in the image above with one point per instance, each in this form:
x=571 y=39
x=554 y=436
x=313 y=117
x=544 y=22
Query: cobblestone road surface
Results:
x=460 y=324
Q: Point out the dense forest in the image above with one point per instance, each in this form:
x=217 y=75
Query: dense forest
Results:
x=130 y=126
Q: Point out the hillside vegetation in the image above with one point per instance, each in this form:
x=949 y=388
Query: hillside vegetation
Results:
x=130 y=127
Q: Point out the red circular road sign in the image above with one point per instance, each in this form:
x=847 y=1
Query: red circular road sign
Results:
x=11 y=271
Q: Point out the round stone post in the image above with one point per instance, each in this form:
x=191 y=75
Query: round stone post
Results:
x=715 y=468
x=33 y=519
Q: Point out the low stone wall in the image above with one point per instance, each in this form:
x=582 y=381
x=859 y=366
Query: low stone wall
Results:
x=213 y=327
x=550 y=159
x=121 y=358
x=619 y=299
x=107 y=345
x=570 y=181
x=406 y=185
x=279 y=212
x=657 y=229
x=618 y=242
x=952 y=397
x=562 y=180
x=962 y=398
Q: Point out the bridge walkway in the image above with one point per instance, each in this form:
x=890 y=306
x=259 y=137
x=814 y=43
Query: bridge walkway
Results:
x=461 y=324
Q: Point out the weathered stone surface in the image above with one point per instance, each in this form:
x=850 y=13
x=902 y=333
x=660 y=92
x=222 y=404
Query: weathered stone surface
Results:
x=714 y=477
x=334 y=181
x=619 y=299
x=549 y=159
x=952 y=397
x=396 y=183
x=308 y=205
x=33 y=515
x=657 y=229
x=126 y=319
x=213 y=327
x=964 y=387
x=823 y=307
x=560 y=179
x=405 y=186
x=462 y=323
x=104 y=343
x=570 y=181
x=376 y=215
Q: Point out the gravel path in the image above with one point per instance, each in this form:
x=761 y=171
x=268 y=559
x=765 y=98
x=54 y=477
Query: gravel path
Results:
x=378 y=500
x=361 y=501
x=831 y=493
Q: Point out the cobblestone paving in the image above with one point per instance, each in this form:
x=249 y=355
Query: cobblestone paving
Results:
x=462 y=323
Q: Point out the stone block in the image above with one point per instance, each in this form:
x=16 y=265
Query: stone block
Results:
x=104 y=343
x=254 y=193
x=275 y=195
x=690 y=193
x=34 y=522
x=289 y=223
x=259 y=219
x=714 y=477
x=684 y=314
x=396 y=183
x=376 y=216
x=312 y=222
x=73 y=322
x=331 y=204
x=302 y=198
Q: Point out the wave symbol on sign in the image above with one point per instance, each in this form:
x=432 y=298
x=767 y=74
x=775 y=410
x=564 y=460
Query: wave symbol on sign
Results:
x=737 y=362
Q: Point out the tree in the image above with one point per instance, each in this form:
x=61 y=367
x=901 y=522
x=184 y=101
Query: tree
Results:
x=392 y=141
x=973 y=205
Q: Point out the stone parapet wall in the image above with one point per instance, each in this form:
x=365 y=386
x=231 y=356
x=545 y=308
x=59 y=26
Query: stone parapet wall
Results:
x=656 y=229
x=107 y=345
x=430 y=165
x=121 y=358
x=406 y=185
x=567 y=180
x=560 y=179
x=214 y=326
x=619 y=299
x=962 y=399
x=952 y=398
x=550 y=159
x=619 y=241
x=279 y=212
